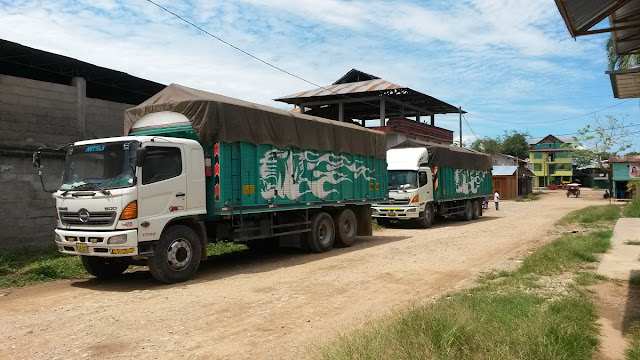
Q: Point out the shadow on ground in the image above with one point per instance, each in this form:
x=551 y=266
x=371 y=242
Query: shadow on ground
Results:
x=232 y=264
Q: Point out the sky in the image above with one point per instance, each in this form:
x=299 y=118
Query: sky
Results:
x=511 y=64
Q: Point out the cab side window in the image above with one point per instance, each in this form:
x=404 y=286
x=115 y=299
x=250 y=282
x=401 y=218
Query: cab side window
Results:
x=422 y=175
x=162 y=163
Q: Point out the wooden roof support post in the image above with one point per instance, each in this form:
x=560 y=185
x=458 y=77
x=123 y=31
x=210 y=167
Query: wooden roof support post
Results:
x=418 y=117
x=401 y=111
x=382 y=111
x=301 y=108
x=433 y=119
x=341 y=112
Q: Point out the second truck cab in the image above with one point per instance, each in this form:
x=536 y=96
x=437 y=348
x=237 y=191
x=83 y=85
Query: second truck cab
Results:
x=410 y=188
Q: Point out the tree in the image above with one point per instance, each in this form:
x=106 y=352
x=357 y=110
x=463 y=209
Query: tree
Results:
x=515 y=143
x=608 y=137
x=488 y=145
x=620 y=61
x=512 y=143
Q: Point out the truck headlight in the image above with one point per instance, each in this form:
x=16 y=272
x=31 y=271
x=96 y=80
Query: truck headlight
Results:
x=374 y=210
x=58 y=238
x=117 y=239
x=411 y=210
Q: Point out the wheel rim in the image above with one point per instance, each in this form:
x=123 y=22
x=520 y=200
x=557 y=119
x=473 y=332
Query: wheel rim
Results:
x=324 y=233
x=179 y=254
x=347 y=228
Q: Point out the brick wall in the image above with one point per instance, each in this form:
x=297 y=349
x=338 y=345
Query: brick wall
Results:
x=33 y=114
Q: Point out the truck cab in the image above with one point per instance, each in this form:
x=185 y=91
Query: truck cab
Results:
x=119 y=196
x=410 y=188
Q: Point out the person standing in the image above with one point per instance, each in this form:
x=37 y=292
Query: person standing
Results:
x=496 y=199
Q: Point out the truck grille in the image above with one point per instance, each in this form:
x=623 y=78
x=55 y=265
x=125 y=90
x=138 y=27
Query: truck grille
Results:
x=399 y=202
x=86 y=218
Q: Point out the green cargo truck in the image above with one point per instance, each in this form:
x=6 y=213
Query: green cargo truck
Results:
x=197 y=167
x=428 y=180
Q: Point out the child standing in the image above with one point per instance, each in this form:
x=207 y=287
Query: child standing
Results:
x=496 y=199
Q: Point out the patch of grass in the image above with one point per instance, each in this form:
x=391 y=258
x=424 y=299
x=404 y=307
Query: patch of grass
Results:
x=22 y=269
x=375 y=225
x=632 y=209
x=633 y=350
x=567 y=253
x=634 y=280
x=586 y=278
x=221 y=248
x=592 y=214
x=479 y=324
x=632 y=242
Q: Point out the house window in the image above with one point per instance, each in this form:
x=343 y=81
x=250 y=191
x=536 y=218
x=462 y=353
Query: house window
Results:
x=537 y=155
x=537 y=167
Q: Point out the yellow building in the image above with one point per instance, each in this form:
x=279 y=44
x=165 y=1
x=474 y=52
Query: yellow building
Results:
x=551 y=161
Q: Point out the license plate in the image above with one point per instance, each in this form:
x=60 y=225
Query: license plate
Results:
x=82 y=247
x=391 y=213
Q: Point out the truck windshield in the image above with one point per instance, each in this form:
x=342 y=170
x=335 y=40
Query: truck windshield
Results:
x=403 y=179
x=99 y=166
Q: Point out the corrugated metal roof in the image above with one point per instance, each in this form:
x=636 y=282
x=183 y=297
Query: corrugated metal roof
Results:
x=566 y=139
x=581 y=15
x=348 y=88
x=501 y=170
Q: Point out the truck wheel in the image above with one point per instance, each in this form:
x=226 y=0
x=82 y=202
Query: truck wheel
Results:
x=468 y=211
x=427 y=218
x=103 y=268
x=176 y=256
x=346 y=228
x=476 y=210
x=322 y=235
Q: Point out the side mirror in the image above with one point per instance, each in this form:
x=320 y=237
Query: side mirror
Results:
x=141 y=156
x=37 y=159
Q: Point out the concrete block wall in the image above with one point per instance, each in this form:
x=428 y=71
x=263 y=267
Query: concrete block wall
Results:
x=33 y=114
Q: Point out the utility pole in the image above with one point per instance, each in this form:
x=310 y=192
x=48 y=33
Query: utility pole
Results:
x=460 y=110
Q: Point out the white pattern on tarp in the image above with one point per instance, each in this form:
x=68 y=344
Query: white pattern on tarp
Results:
x=284 y=171
x=468 y=181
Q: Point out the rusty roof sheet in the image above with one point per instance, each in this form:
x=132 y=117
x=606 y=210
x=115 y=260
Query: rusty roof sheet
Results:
x=344 y=89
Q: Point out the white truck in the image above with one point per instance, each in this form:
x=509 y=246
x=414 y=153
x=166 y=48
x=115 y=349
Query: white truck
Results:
x=196 y=167
x=434 y=180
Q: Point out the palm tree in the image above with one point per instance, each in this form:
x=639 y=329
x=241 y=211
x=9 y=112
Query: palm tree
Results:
x=620 y=61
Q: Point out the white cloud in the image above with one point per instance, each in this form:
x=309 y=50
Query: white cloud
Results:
x=486 y=55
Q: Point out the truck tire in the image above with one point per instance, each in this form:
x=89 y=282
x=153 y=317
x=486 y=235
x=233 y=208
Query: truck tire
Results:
x=322 y=235
x=346 y=228
x=426 y=220
x=468 y=211
x=176 y=256
x=103 y=268
x=477 y=210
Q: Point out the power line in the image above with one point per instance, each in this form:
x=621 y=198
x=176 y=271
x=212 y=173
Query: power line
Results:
x=590 y=131
x=469 y=126
x=255 y=57
x=551 y=121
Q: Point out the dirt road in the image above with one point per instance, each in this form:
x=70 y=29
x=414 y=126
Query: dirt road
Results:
x=270 y=305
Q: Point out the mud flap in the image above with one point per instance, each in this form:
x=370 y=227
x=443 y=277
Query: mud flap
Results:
x=363 y=217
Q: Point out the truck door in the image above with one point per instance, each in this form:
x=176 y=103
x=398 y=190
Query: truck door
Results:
x=424 y=181
x=162 y=189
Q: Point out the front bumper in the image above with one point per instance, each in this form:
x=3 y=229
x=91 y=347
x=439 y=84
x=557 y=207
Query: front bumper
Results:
x=94 y=243
x=395 y=212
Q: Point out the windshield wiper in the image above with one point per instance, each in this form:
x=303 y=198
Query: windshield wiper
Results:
x=92 y=187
